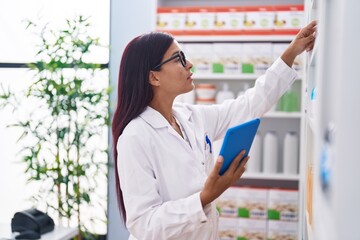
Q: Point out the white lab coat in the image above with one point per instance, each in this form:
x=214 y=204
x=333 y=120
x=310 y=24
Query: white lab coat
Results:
x=161 y=175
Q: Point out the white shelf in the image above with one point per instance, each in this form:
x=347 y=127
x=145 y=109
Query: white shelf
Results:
x=237 y=38
x=278 y=114
x=227 y=77
x=274 y=176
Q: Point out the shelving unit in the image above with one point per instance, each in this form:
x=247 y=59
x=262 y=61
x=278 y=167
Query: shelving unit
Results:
x=281 y=122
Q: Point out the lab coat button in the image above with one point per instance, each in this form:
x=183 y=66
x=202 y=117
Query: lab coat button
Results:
x=202 y=163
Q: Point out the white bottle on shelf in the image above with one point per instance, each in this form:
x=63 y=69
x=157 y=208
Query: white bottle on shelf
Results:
x=290 y=154
x=254 y=163
x=270 y=153
x=224 y=94
x=245 y=87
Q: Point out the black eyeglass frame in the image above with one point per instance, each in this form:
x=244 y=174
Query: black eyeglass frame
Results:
x=179 y=55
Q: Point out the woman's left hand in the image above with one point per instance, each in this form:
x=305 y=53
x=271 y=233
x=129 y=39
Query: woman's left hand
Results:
x=304 y=40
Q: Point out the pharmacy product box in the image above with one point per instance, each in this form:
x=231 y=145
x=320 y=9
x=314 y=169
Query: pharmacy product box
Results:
x=288 y=19
x=257 y=57
x=252 y=203
x=279 y=230
x=283 y=205
x=199 y=19
x=200 y=55
x=227 y=204
x=228 y=20
x=249 y=229
x=228 y=228
x=258 y=19
x=227 y=58
x=170 y=19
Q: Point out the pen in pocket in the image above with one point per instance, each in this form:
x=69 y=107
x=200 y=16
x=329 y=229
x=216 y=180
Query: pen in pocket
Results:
x=207 y=139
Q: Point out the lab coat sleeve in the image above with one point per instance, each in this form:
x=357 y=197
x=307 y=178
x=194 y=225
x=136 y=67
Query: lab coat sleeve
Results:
x=148 y=217
x=253 y=104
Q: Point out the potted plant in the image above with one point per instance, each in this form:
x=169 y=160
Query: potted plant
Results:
x=64 y=141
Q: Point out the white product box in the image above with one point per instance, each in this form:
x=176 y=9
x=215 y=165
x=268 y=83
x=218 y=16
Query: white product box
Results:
x=251 y=229
x=228 y=18
x=257 y=57
x=258 y=18
x=289 y=17
x=252 y=203
x=283 y=205
x=199 y=19
x=227 y=58
x=279 y=48
x=228 y=228
x=227 y=203
x=279 y=230
x=170 y=19
x=200 y=55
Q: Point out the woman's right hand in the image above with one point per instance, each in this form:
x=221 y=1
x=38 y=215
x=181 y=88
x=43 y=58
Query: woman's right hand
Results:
x=215 y=184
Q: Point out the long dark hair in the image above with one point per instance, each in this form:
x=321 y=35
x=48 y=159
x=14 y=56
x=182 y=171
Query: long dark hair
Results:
x=134 y=91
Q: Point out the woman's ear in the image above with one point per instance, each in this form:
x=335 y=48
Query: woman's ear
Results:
x=153 y=79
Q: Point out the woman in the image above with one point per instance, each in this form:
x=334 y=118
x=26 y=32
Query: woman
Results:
x=166 y=177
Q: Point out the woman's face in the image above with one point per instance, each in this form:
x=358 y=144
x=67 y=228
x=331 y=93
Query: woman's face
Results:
x=174 y=78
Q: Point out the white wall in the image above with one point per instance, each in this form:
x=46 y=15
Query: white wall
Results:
x=128 y=20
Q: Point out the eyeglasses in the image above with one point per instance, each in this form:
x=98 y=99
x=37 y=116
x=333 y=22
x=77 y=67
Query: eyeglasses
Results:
x=179 y=55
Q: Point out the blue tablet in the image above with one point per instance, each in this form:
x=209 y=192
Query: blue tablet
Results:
x=238 y=138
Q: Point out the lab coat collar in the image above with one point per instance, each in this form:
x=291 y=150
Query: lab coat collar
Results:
x=156 y=120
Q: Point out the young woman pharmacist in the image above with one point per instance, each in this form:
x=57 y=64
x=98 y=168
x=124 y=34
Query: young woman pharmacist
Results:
x=167 y=179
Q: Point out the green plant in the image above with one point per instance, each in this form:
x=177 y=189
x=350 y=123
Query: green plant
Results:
x=64 y=142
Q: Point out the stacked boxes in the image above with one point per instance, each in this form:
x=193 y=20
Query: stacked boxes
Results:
x=235 y=58
x=223 y=20
x=247 y=213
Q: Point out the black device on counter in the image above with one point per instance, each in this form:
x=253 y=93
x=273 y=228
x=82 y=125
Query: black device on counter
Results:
x=31 y=223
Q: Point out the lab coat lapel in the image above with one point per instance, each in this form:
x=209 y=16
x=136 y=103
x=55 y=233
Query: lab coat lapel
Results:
x=184 y=119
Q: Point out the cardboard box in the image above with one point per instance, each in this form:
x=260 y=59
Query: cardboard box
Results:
x=257 y=57
x=227 y=58
x=278 y=230
x=228 y=228
x=227 y=203
x=171 y=19
x=259 y=18
x=288 y=18
x=251 y=229
x=228 y=19
x=252 y=203
x=200 y=55
x=199 y=18
x=283 y=205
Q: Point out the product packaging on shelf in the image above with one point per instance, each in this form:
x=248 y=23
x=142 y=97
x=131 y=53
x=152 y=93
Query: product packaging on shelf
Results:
x=228 y=20
x=224 y=94
x=257 y=57
x=254 y=165
x=251 y=229
x=200 y=55
x=290 y=153
x=199 y=19
x=227 y=204
x=282 y=230
x=270 y=152
x=171 y=19
x=227 y=58
x=288 y=19
x=283 y=205
x=252 y=203
x=228 y=228
x=258 y=19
